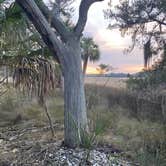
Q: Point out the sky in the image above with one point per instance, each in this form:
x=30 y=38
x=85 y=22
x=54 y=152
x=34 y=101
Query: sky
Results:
x=110 y=42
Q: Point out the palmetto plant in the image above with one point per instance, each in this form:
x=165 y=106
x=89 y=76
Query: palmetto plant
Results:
x=64 y=43
x=103 y=68
x=35 y=77
x=90 y=51
x=24 y=54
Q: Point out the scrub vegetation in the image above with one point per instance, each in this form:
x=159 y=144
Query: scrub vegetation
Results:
x=52 y=113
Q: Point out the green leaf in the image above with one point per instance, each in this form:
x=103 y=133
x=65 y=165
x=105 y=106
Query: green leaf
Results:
x=1 y=1
x=14 y=12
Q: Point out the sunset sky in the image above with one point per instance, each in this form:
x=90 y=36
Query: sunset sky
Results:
x=110 y=42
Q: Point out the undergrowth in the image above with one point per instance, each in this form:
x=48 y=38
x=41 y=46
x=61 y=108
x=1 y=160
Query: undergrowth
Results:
x=139 y=140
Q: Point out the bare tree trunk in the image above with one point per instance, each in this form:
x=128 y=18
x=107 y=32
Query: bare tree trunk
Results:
x=85 y=63
x=74 y=96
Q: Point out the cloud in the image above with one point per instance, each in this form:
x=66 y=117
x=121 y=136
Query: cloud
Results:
x=110 y=42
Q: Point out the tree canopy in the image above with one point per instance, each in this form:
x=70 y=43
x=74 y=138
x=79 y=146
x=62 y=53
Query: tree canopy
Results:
x=103 y=68
x=144 y=20
x=90 y=51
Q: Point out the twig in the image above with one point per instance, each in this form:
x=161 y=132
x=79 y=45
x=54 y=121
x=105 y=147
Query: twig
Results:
x=49 y=119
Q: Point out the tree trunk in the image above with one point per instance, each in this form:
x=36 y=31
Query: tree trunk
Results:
x=85 y=63
x=74 y=97
x=67 y=52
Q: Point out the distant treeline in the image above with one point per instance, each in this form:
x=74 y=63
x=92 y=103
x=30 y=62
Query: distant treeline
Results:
x=117 y=75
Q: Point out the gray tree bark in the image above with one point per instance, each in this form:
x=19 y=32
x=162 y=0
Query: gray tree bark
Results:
x=85 y=63
x=66 y=50
x=74 y=97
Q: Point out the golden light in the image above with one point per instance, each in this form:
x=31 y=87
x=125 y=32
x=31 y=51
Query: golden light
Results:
x=91 y=70
x=132 y=68
x=124 y=69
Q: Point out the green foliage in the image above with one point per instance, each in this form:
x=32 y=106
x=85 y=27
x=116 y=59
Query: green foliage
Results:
x=88 y=139
x=99 y=123
x=143 y=141
x=154 y=76
x=13 y=13
x=151 y=78
x=22 y=50
x=144 y=21
x=18 y=36
x=103 y=68
x=153 y=146
x=8 y=103
x=1 y=1
x=32 y=112
x=90 y=51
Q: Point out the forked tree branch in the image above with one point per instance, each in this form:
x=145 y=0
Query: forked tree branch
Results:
x=42 y=26
x=83 y=14
x=62 y=30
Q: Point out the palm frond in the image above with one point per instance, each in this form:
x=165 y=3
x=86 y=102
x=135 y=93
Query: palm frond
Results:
x=35 y=76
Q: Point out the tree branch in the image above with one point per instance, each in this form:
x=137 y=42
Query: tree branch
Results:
x=55 y=22
x=1 y=81
x=158 y=21
x=42 y=26
x=83 y=13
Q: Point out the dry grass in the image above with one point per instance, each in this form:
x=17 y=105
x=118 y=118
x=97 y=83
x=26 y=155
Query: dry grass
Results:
x=107 y=81
x=16 y=107
x=140 y=135
x=139 y=139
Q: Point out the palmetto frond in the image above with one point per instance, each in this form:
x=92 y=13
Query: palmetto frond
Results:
x=34 y=76
x=22 y=50
x=90 y=49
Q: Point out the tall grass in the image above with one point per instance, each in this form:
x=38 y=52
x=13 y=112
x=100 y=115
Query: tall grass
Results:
x=141 y=105
x=132 y=126
x=115 y=117
x=14 y=104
